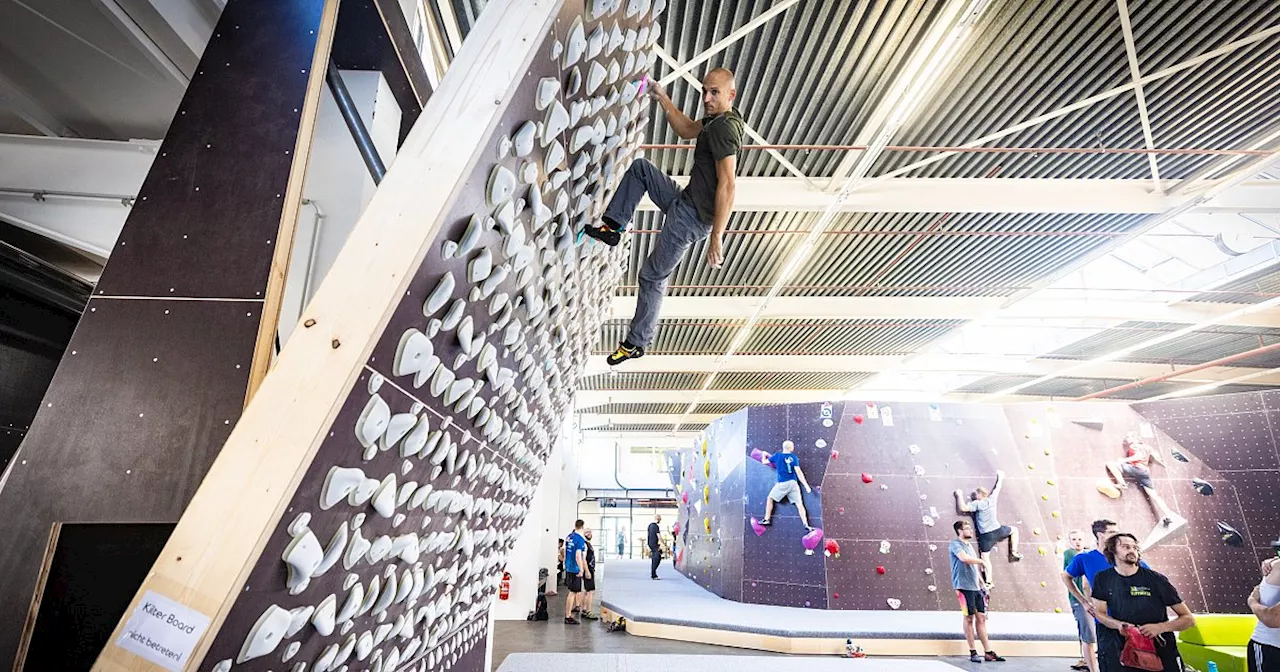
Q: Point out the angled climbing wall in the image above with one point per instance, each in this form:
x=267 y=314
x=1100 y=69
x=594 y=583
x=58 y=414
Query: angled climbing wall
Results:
x=885 y=476
x=362 y=511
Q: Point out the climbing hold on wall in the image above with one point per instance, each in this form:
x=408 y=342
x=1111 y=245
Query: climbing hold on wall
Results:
x=1044 y=497
x=831 y=549
x=913 y=449
x=1202 y=486
x=1050 y=482
x=835 y=595
x=821 y=443
x=706 y=522
x=919 y=469
x=933 y=547
x=757 y=455
x=1230 y=536
x=1108 y=488
x=928 y=570
x=684 y=497
x=867 y=478
x=880 y=569
x=1057 y=610
x=884 y=547
x=1031 y=467
x=706 y=494
x=1056 y=514
x=927 y=520
x=894 y=602
x=706 y=468
x=883 y=486
x=858 y=419
x=811 y=540
x=1041 y=550
x=704 y=447
x=835 y=454
x=1177 y=455
x=1043 y=584
x=675 y=529
x=841 y=509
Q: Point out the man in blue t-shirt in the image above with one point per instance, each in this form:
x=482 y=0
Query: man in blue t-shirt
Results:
x=1089 y=563
x=575 y=569
x=790 y=478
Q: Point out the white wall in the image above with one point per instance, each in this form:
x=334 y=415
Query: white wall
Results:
x=598 y=461
x=551 y=515
x=339 y=186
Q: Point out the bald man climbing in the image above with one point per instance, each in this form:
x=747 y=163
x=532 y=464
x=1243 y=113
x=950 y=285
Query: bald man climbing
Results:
x=691 y=214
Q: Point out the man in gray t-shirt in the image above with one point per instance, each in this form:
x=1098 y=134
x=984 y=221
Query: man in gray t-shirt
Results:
x=968 y=586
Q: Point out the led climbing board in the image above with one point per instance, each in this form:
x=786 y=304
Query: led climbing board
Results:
x=885 y=477
x=362 y=511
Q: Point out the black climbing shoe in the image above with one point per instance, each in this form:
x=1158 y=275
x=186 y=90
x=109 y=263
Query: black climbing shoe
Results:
x=603 y=234
x=1014 y=556
x=974 y=657
x=624 y=352
x=993 y=657
x=766 y=521
x=568 y=620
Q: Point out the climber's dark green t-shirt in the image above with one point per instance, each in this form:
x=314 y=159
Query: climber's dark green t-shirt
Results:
x=721 y=136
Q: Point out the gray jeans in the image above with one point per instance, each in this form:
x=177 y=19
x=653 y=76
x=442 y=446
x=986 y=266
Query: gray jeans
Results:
x=681 y=228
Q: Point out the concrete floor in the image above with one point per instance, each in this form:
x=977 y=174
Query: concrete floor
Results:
x=554 y=636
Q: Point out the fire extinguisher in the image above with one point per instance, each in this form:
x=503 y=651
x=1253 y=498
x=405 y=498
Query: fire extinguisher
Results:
x=504 y=588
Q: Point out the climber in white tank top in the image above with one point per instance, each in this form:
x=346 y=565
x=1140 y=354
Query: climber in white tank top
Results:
x=1264 y=648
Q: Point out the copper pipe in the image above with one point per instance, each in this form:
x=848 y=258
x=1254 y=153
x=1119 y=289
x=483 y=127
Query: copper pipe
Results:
x=1191 y=369
x=991 y=150
x=963 y=232
x=976 y=288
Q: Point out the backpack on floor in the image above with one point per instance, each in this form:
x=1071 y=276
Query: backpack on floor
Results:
x=539 y=612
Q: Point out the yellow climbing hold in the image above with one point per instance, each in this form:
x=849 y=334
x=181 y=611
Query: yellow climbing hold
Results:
x=706 y=468
x=1031 y=466
x=704 y=447
x=706 y=494
x=1051 y=482
x=1044 y=497
x=706 y=522
x=1046 y=451
x=1043 y=584
x=1036 y=531
x=1056 y=514
x=1041 y=551
x=1057 y=610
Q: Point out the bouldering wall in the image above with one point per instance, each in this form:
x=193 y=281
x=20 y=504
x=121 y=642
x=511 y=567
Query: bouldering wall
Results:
x=709 y=497
x=410 y=418
x=884 y=479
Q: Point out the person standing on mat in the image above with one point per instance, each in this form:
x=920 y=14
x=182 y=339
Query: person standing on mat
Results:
x=1085 y=626
x=990 y=531
x=586 y=604
x=790 y=478
x=691 y=214
x=1264 y=602
x=1129 y=597
x=967 y=583
x=655 y=549
x=575 y=569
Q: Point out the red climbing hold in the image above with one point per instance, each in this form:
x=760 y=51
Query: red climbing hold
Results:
x=835 y=454
x=866 y=478
x=831 y=548
x=880 y=569
x=857 y=419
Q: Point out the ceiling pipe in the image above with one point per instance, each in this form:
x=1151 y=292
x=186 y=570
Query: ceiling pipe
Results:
x=1222 y=361
x=960 y=149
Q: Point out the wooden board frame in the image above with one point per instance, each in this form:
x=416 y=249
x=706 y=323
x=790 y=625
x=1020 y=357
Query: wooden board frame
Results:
x=226 y=524
x=28 y=629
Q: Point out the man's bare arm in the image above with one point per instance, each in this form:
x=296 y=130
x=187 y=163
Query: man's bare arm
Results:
x=969 y=559
x=1269 y=616
x=800 y=475
x=725 y=190
x=1069 y=582
x=680 y=122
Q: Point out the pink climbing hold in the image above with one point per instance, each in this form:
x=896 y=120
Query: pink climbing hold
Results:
x=835 y=454
x=811 y=540
x=675 y=529
x=644 y=83
x=757 y=527
x=684 y=497
x=857 y=419
x=866 y=478
x=757 y=455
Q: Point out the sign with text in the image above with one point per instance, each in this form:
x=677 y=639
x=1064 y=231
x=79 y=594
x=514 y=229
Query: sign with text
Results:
x=163 y=631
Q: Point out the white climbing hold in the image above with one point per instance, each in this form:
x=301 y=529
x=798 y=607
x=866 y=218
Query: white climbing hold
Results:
x=577 y=43
x=502 y=184
x=524 y=138
x=595 y=42
x=546 y=92
x=266 y=634
x=373 y=421
x=595 y=77
x=894 y=602
x=555 y=122
x=479 y=268
x=439 y=295
x=331 y=553
x=302 y=556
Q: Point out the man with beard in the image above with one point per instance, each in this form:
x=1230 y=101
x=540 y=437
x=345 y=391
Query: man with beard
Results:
x=1129 y=597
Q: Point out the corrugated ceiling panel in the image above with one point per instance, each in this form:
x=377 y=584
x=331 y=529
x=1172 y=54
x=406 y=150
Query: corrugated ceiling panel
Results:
x=788 y=380
x=1068 y=388
x=632 y=409
x=849 y=337
x=624 y=380
x=674 y=336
